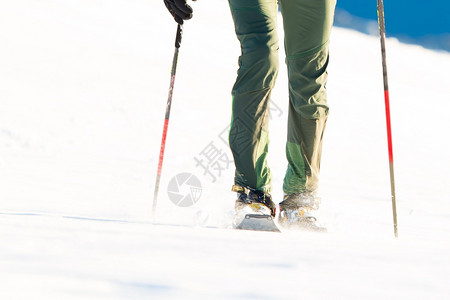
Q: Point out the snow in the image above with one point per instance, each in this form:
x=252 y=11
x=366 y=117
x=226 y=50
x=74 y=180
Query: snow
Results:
x=83 y=95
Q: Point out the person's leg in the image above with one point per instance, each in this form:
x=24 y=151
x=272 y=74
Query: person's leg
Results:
x=256 y=28
x=307 y=27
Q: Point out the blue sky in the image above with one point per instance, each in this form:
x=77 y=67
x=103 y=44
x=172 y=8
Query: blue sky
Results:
x=424 y=22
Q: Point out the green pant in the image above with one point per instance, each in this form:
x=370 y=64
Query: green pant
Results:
x=307 y=26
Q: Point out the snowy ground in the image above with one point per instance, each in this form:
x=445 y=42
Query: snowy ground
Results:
x=82 y=98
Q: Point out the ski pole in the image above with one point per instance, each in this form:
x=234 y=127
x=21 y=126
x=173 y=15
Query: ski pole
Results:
x=166 y=119
x=381 y=26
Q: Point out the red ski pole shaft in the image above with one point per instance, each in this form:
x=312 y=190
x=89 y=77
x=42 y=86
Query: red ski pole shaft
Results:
x=166 y=119
x=381 y=25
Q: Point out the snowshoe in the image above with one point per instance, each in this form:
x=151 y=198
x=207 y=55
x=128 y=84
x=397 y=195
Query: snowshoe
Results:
x=254 y=210
x=298 y=211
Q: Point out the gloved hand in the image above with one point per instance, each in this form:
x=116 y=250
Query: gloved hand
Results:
x=179 y=9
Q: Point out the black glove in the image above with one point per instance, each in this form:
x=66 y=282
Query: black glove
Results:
x=179 y=9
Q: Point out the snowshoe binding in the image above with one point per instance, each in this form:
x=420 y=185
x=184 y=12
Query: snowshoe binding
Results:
x=298 y=211
x=254 y=210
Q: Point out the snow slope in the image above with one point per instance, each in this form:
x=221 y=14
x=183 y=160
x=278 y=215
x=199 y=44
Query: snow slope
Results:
x=82 y=99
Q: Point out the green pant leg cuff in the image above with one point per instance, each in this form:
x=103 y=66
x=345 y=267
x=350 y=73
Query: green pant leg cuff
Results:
x=295 y=178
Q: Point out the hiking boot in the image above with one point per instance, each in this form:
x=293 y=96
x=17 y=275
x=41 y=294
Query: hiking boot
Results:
x=257 y=201
x=251 y=202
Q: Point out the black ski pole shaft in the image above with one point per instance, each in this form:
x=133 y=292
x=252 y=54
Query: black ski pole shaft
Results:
x=166 y=119
x=381 y=25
